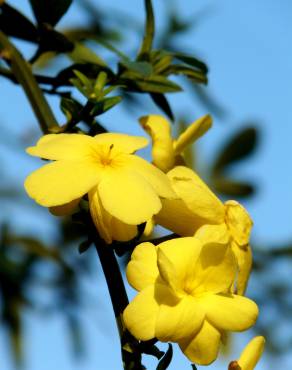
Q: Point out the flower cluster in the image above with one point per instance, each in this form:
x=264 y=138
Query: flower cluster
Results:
x=191 y=288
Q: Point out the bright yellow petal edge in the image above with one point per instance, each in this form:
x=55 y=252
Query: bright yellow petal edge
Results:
x=250 y=355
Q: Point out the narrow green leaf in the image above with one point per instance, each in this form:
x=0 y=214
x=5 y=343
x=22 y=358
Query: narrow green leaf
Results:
x=191 y=73
x=162 y=64
x=166 y=359
x=233 y=188
x=192 y=61
x=85 y=81
x=100 y=82
x=194 y=367
x=141 y=68
x=239 y=147
x=22 y=71
x=112 y=48
x=84 y=246
x=154 y=84
x=15 y=24
x=70 y=107
x=161 y=101
x=105 y=105
x=149 y=32
x=82 y=54
x=50 y=12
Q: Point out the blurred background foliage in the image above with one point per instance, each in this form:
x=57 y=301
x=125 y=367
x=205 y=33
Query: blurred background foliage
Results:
x=89 y=70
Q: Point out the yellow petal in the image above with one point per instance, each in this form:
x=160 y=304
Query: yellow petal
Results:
x=65 y=209
x=252 y=353
x=128 y=197
x=192 y=133
x=154 y=176
x=61 y=182
x=203 y=348
x=239 y=222
x=213 y=234
x=176 y=322
x=140 y=315
x=177 y=217
x=150 y=224
x=121 y=231
x=142 y=270
x=122 y=142
x=215 y=270
x=109 y=227
x=100 y=218
x=63 y=146
x=182 y=254
x=196 y=195
x=229 y=312
x=167 y=271
x=162 y=143
x=244 y=262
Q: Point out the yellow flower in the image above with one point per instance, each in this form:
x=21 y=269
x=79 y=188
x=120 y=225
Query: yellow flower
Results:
x=167 y=152
x=184 y=296
x=199 y=212
x=124 y=190
x=250 y=355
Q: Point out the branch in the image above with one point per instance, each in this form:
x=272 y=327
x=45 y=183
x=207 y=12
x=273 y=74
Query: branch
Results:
x=23 y=75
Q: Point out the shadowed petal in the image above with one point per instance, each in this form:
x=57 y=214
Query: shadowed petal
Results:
x=142 y=270
x=203 y=348
x=140 y=315
x=196 y=195
x=128 y=197
x=158 y=180
x=175 y=322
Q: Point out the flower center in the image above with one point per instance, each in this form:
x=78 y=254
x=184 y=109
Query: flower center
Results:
x=106 y=157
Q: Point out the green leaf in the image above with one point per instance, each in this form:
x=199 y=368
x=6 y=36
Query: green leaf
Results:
x=88 y=69
x=52 y=40
x=15 y=24
x=82 y=54
x=161 y=101
x=192 y=61
x=49 y=12
x=166 y=359
x=105 y=105
x=162 y=63
x=233 y=188
x=194 y=367
x=149 y=32
x=84 y=246
x=141 y=68
x=100 y=82
x=154 y=84
x=70 y=107
x=23 y=73
x=34 y=246
x=191 y=73
x=239 y=147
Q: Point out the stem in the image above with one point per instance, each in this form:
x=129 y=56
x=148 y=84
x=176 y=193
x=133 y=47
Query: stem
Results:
x=119 y=299
x=114 y=282
x=23 y=74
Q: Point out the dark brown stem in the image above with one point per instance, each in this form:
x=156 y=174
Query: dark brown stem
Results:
x=119 y=299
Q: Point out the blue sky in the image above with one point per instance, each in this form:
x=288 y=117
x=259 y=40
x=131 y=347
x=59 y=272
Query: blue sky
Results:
x=247 y=46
